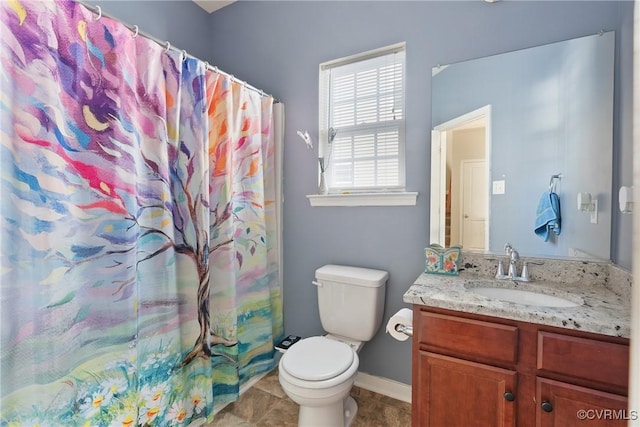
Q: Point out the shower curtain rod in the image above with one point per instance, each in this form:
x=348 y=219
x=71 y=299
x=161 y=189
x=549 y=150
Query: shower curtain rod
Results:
x=136 y=32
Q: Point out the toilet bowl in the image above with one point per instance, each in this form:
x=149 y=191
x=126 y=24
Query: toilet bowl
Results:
x=317 y=373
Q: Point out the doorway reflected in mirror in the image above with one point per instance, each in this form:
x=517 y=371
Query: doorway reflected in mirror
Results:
x=464 y=155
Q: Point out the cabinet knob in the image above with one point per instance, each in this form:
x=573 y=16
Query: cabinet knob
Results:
x=508 y=396
x=546 y=406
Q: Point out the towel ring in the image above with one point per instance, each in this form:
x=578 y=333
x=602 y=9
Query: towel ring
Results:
x=553 y=182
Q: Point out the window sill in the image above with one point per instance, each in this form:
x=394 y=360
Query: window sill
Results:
x=364 y=199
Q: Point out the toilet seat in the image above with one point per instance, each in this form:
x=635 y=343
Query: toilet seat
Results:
x=317 y=359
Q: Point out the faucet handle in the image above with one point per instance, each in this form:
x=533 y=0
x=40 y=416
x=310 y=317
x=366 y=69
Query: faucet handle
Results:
x=500 y=273
x=524 y=275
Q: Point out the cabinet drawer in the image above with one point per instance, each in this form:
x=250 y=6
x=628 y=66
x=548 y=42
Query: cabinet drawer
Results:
x=468 y=337
x=583 y=359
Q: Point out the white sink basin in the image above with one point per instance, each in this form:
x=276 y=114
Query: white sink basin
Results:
x=520 y=296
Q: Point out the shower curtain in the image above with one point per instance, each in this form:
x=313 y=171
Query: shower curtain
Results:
x=139 y=268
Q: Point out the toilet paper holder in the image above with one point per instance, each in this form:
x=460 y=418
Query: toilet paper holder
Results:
x=400 y=325
x=405 y=329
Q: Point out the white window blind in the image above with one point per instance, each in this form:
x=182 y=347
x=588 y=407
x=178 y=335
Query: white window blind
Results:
x=362 y=104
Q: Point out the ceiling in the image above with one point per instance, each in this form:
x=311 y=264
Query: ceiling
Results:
x=213 y=5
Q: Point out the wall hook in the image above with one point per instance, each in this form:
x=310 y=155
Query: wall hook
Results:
x=306 y=138
x=99 y=9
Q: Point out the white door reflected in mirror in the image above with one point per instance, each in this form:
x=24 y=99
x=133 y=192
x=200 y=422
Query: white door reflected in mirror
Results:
x=473 y=193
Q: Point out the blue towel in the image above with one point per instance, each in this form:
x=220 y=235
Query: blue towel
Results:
x=548 y=216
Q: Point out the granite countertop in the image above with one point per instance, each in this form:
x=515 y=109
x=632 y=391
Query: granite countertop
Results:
x=603 y=311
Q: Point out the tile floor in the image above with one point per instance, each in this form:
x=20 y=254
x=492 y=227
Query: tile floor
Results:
x=266 y=405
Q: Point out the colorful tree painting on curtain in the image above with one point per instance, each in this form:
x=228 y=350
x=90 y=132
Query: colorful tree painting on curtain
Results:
x=245 y=296
x=138 y=278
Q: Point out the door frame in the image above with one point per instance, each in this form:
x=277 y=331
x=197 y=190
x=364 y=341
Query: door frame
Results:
x=439 y=137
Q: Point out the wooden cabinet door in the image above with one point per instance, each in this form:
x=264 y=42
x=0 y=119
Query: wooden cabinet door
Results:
x=456 y=392
x=567 y=405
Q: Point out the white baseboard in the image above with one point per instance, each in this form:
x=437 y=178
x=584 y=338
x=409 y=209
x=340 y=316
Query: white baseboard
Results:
x=384 y=386
x=380 y=385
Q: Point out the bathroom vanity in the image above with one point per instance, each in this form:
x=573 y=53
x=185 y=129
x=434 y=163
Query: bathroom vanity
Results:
x=482 y=361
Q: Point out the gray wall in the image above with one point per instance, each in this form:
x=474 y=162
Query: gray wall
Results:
x=622 y=229
x=184 y=24
x=277 y=46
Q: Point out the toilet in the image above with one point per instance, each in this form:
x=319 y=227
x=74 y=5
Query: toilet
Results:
x=318 y=372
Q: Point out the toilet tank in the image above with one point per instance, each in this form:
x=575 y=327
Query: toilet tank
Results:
x=351 y=300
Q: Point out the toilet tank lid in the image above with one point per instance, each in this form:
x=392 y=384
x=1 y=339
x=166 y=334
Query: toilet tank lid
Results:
x=352 y=275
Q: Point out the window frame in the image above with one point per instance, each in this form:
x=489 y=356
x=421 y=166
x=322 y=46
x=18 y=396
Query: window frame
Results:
x=396 y=124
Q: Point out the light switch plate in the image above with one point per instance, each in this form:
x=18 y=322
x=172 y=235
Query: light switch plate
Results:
x=498 y=187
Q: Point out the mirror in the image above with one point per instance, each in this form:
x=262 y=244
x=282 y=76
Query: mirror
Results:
x=503 y=127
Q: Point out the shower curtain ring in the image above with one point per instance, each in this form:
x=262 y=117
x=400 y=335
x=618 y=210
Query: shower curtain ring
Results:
x=167 y=46
x=184 y=55
x=206 y=65
x=136 y=32
x=99 y=13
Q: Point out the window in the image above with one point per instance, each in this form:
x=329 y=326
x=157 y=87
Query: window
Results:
x=362 y=121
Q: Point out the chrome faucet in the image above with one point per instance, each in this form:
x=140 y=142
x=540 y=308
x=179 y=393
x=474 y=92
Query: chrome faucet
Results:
x=514 y=257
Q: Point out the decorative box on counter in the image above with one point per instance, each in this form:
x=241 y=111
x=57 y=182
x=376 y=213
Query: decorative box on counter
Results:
x=441 y=260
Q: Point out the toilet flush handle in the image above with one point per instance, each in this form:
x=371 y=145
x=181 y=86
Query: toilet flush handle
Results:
x=316 y=283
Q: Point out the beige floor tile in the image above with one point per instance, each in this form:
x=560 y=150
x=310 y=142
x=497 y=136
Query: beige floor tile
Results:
x=283 y=414
x=253 y=405
x=266 y=405
x=372 y=412
x=271 y=385
x=227 y=419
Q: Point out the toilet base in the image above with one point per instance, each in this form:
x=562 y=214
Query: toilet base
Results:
x=341 y=413
x=350 y=410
